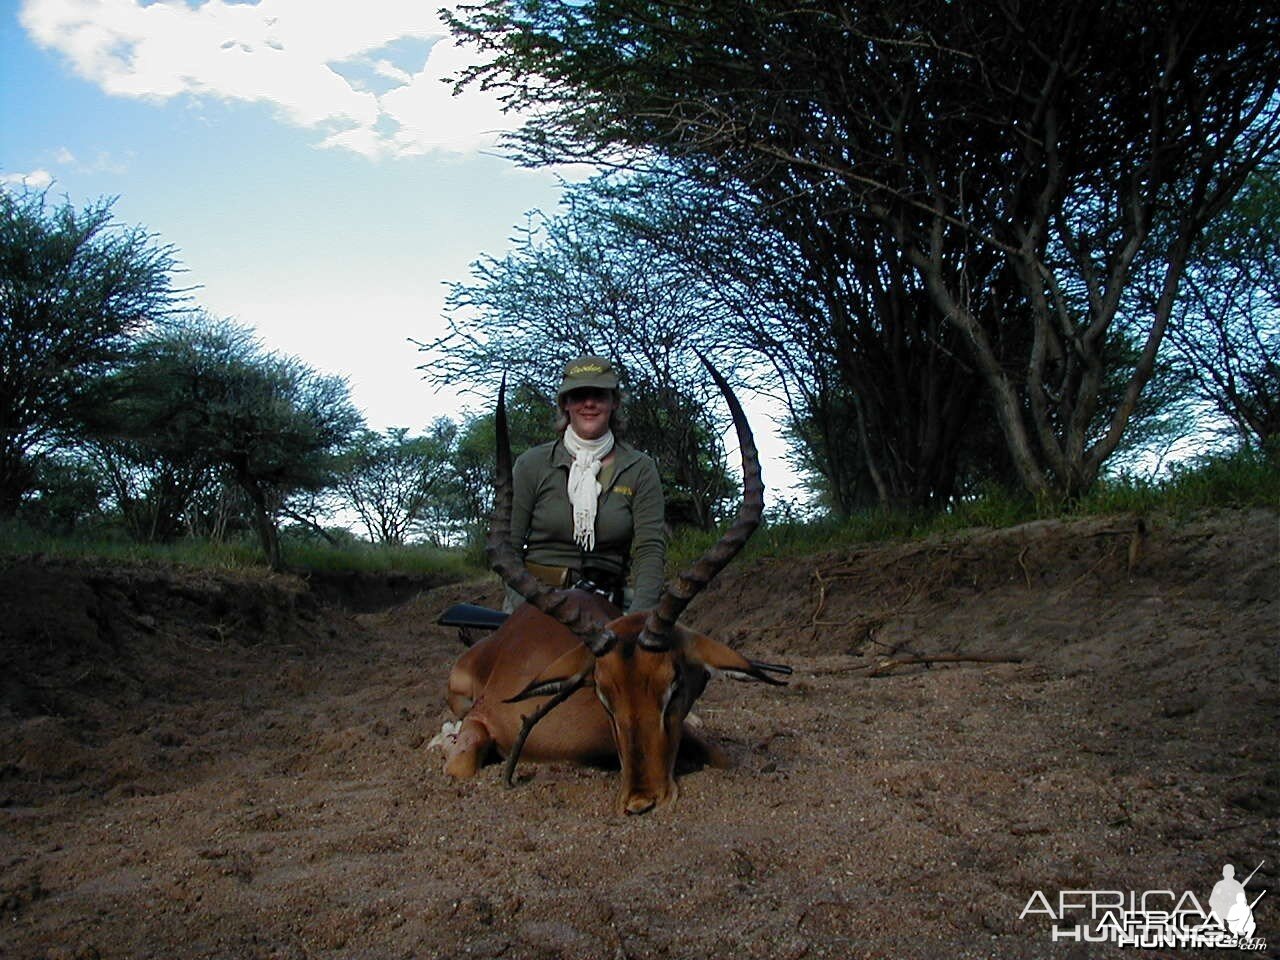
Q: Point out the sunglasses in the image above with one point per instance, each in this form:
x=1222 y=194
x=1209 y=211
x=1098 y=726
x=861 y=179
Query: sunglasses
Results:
x=583 y=394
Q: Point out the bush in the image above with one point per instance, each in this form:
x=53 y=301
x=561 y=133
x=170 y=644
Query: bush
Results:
x=236 y=553
x=1248 y=477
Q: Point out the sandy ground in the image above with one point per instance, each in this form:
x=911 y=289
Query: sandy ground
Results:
x=199 y=765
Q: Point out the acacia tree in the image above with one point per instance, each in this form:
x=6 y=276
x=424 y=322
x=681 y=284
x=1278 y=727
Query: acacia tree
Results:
x=391 y=479
x=827 y=318
x=529 y=422
x=68 y=493
x=882 y=407
x=1227 y=328
x=138 y=421
x=578 y=284
x=1074 y=147
x=276 y=427
x=150 y=489
x=74 y=286
x=202 y=392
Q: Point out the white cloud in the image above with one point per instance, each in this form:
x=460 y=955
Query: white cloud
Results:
x=297 y=55
x=36 y=179
x=417 y=107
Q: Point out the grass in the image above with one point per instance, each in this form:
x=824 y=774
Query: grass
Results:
x=244 y=554
x=1247 y=478
x=370 y=558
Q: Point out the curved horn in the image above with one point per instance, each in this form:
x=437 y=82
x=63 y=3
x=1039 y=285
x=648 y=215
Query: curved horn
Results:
x=506 y=561
x=662 y=618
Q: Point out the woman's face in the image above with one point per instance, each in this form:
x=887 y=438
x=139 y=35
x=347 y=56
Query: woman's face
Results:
x=589 y=410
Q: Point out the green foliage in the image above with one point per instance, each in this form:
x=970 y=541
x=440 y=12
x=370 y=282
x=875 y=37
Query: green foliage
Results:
x=975 y=191
x=67 y=496
x=599 y=279
x=530 y=422
x=201 y=393
x=237 y=553
x=1249 y=477
x=1227 y=326
x=74 y=285
x=150 y=491
x=363 y=557
x=113 y=544
x=674 y=426
x=397 y=483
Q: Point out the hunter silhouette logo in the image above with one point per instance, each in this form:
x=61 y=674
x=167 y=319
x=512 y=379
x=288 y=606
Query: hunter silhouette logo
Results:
x=1230 y=904
x=1152 y=919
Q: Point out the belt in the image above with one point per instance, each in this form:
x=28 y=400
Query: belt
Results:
x=591 y=579
x=551 y=576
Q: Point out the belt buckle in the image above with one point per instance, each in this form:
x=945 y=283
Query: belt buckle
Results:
x=590 y=586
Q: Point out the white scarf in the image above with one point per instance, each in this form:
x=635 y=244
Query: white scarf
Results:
x=584 y=483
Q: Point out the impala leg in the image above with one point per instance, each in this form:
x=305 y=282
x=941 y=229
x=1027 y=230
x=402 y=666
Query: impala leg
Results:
x=461 y=693
x=459 y=703
x=464 y=756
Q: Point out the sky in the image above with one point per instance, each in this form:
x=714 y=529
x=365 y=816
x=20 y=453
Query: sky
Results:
x=316 y=175
x=313 y=171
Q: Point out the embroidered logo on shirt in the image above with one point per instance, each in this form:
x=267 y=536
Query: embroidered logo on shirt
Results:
x=625 y=491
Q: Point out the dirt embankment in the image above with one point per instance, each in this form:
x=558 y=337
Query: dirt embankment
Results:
x=199 y=765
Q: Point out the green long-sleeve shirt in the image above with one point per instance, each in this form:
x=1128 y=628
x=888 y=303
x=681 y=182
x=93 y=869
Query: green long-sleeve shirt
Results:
x=629 y=517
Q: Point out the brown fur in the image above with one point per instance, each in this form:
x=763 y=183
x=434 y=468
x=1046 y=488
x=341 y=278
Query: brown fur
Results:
x=647 y=740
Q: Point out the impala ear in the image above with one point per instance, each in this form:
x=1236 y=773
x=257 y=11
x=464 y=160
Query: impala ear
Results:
x=557 y=673
x=714 y=655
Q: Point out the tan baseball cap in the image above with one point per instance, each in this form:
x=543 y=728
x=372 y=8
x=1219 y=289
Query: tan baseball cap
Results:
x=588 y=372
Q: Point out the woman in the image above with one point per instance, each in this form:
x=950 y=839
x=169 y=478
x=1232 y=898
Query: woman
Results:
x=586 y=506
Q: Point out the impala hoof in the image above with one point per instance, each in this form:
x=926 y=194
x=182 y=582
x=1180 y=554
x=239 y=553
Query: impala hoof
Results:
x=637 y=805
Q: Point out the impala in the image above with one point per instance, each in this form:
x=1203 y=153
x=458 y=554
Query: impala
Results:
x=610 y=685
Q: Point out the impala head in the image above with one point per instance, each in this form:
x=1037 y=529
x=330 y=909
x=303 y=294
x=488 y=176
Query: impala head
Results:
x=646 y=669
